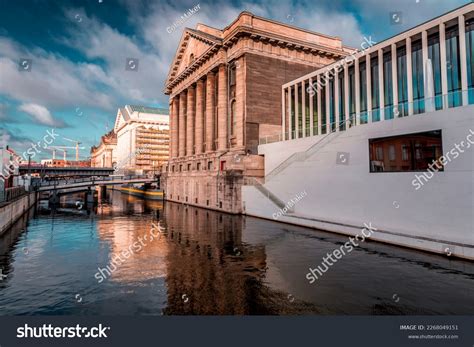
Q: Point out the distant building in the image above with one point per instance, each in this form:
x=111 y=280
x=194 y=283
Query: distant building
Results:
x=142 y=138
x=65 y=163
x=9 y=167
x=105 y=154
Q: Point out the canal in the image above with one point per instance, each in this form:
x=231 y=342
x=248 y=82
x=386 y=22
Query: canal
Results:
x=127 y=256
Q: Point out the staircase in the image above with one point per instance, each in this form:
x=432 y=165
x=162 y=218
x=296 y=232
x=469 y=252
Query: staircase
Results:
x=302 y=156
x=252 y=181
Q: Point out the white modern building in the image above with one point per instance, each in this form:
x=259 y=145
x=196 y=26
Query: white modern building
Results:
x=384 y=136
x=142 y=138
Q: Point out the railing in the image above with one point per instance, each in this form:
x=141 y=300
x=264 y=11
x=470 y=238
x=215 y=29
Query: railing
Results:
x=253 y=181
x=90 y=179
x=402 y=109
x=12 y=193
x=301 y=156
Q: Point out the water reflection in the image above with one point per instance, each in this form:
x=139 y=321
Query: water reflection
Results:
x=206 y=262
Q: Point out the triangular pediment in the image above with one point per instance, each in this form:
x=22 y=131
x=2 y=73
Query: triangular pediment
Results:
x=192 y=46
x=121 y=119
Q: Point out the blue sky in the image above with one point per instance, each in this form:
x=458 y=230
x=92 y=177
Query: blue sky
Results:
x=76 y=53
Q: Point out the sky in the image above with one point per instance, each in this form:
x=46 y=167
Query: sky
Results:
x=63 y=63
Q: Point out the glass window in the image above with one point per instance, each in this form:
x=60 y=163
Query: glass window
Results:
x=292 y=111
x=300 y=111
x=453 y=67
x=322 y=90
x=387 y=85
x=375 y=90
x=402 y=109
x=352 y=101
x=341 y=102
x=434 y=56
x=470 y=58
x=332 y=119
x=315 y=111
x=417 y=152
x=363 y=92
x=391 y=152
x=417 y=77
x=306 y=106
x=404 y=152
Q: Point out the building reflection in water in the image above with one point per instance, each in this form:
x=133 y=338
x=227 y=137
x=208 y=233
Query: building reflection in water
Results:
x=210 y=270
x=124 y=262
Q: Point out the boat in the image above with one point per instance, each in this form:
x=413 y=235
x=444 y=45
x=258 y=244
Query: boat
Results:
x=147 y=191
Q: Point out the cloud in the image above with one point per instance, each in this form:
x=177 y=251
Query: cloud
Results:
x=41 y=114
x=53 y=80
x=14 y=139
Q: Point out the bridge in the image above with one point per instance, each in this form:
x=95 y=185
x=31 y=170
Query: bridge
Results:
x=56 y=188
x=66 y=171
x=78 y=184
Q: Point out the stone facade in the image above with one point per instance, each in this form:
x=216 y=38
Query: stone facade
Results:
x=225 y=94
x=104 y=155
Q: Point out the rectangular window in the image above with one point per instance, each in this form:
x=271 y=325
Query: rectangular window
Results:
x=417 y=78
x=323 y=109
x=470 y=58
x=404 y=152
x=375 y=90
x=453 y=67
x=300 y=112
x=306 y=110
x=410 y=152
x=352 y=101
x=292 y=112
x=387 y=87
x=341 y=102
x=315 y=110
x=332 y=119
x=391 y=152
x=435 y=60
x=402 y=108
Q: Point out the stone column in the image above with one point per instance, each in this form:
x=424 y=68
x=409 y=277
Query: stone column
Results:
x=191 y=113
x=174 y=126
x=198 y=138
x=240 y=103
x=210 y=104
x=222 y=142
x=182 y=124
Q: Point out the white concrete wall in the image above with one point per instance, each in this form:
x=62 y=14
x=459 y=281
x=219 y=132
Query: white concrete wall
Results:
x=440 y=215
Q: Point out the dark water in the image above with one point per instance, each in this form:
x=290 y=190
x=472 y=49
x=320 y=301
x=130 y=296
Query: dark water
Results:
x=204 y=262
